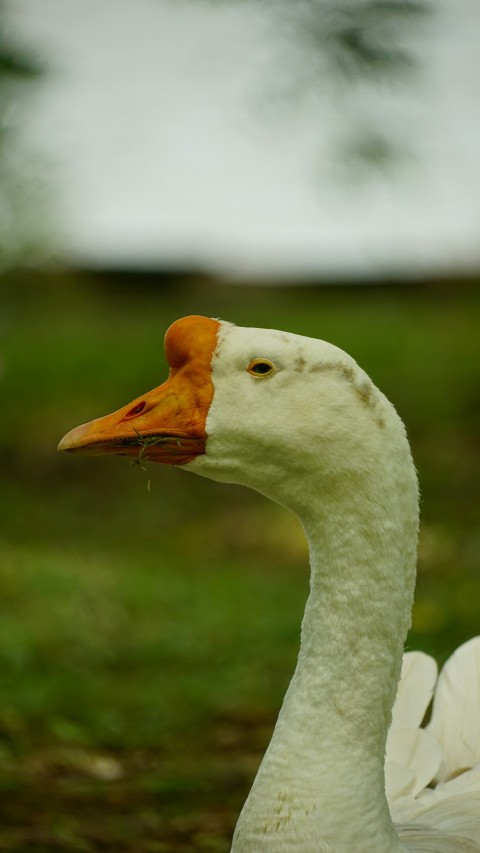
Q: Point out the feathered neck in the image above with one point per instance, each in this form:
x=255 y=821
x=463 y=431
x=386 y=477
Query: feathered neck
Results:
x=321 y=784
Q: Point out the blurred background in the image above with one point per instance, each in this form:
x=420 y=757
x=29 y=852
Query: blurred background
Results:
x=312 y=167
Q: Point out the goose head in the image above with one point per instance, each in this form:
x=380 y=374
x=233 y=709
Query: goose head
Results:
x=258 y=407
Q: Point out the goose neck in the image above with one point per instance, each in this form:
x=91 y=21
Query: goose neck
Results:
x=321 y=784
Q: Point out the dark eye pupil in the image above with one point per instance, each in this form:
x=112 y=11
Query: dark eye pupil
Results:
x=261 y=367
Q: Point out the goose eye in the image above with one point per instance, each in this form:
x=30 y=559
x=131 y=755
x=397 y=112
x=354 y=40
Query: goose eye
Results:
x=260 y=368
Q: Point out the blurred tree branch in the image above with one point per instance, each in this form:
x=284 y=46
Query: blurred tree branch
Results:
x=360 y=39
x=343 y=47
x=21 y=220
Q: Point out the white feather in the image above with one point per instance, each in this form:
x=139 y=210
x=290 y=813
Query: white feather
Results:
x=399 y=780
x=415 y=690
x=422 y=839
x=468 y=781
x=456 y=710
x=450 y=744
x=456 y=814
x=416 y=750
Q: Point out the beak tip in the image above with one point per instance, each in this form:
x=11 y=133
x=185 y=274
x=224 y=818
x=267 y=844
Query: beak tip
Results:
x=73 y=439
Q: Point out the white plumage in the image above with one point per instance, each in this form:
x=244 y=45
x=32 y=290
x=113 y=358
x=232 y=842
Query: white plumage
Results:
x=296 y=419
x=433 y=773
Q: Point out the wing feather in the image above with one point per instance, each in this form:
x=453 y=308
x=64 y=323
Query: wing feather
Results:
x=444 y=818
x=417 y=751
x=415 y=690
x=456 y=710
x=422 y=839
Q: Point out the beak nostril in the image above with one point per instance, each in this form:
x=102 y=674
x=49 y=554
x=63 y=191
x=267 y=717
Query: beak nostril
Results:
x=137 y=410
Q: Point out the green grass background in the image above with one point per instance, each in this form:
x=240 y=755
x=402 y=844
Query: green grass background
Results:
x=147 y=636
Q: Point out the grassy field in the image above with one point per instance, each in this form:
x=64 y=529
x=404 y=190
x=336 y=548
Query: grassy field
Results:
x=147 y=636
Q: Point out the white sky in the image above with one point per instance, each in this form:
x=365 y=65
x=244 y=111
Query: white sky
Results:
x=170 y=144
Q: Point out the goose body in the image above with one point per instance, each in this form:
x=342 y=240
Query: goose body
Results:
x=299 y=421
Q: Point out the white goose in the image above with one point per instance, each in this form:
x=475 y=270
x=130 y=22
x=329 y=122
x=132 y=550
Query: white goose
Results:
x=297 y=420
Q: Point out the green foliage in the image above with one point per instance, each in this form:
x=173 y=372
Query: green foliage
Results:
x=147 y=637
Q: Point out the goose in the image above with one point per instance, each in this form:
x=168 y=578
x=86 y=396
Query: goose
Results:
x=296 y=419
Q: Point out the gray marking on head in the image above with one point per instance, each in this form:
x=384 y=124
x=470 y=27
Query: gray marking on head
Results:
x=345 y=371
x=365 y=392
x=363 y=387
x=300 y=364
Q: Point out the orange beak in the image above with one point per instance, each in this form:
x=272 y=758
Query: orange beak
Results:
x=167 y=424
